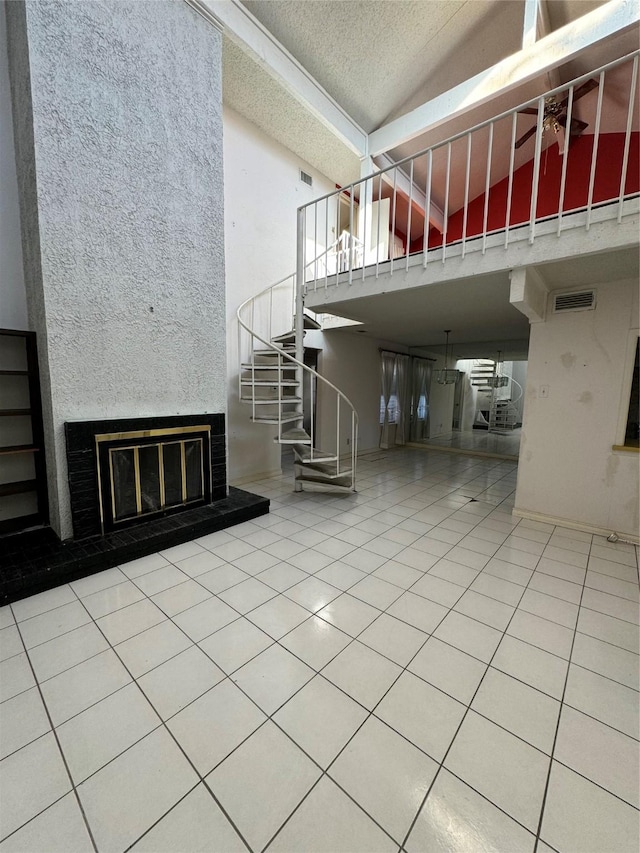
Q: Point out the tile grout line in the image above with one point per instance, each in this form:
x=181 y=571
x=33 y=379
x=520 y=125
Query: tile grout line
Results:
x=464 y=716
x=162 y=724
x=62 y=756
x=372 y=713
x=555 y=737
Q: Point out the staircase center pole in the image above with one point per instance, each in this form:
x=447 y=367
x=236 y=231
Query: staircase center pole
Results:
x=299 y=318
x=299 y=322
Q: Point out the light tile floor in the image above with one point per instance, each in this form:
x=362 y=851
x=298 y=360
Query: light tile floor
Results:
x=408 y=668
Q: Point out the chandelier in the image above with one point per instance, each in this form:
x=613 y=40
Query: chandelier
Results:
x=446 y=376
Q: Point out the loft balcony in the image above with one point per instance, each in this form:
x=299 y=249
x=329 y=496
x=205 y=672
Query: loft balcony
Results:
x=552 y=179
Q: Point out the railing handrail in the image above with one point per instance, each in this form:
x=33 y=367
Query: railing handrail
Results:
x=531 y=102
x=282 y=352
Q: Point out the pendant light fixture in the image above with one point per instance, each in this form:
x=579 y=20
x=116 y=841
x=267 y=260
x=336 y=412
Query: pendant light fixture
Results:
x=446 y=376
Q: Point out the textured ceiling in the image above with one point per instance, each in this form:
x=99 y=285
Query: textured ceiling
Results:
x=380 y=58
x=372 y=56
x=261 y=99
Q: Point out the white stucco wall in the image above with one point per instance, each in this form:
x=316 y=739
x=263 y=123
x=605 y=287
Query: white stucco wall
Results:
x=13 y=298
x=126 y=139
x=262 y=193
x=568 y=470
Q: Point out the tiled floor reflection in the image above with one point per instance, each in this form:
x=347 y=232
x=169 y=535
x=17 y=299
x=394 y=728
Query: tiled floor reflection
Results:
x=506 y=443
x=408 y=668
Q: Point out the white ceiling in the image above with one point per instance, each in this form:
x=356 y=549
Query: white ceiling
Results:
x=378 y=59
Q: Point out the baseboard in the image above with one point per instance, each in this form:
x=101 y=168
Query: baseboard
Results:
x=254 y=478
x=574 y=525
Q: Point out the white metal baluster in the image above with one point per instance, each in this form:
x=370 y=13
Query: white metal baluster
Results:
x=378 y=228
x=240 y=336
x=627 y=138
x=253 y=362
x=315 y=247
x=465 y=212
x=512 y=157
x=270 y=324
x=351 y=234
x=565 y=158
x=354 y=443
x=338 y=435
x=409 y=213
x=326 y=243
x=446 y=204
x=536 y=171
x=427 y=209
x=312 y=389
x=487 y=190
x=594 y=153
x=364 y=192
x=393 y=219
x=339 y=237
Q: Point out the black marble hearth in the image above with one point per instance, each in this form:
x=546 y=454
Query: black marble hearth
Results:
x=36 y=560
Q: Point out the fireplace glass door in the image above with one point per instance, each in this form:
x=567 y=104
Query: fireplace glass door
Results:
x=151 y=476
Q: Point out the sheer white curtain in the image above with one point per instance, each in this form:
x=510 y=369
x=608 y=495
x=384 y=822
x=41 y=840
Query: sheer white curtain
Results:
x=402 y=372
x=387 y=370
x=421 y=376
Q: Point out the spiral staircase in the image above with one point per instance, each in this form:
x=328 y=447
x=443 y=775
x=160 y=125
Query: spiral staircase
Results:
x=486 y=376
x=271 y=381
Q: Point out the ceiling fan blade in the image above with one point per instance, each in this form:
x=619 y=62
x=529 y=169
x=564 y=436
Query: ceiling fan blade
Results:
x=583 y=90
x=526 y=136
x=577 y=126
x=578 y=93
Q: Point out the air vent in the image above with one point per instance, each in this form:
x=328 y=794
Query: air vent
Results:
x=585 y=300
x=306 y=179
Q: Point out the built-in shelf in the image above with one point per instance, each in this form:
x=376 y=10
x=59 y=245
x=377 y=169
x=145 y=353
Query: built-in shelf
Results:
x=19 y=357
x=18 y=448
x=18 y=488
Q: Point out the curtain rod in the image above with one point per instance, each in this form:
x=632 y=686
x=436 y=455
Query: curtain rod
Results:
x=408 y=354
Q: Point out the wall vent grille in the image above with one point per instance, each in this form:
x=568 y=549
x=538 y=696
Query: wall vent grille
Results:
x=585 y=300
x=306 y=179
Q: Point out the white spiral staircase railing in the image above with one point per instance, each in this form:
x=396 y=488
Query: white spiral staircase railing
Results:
x=271 y=381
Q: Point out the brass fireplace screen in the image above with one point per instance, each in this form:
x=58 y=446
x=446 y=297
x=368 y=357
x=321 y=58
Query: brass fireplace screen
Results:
x=148 y=472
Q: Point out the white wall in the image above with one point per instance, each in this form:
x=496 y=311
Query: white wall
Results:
x=352 y=363
x=262 y=193
x=568 y=470
x=519 y=373
x=13 y=298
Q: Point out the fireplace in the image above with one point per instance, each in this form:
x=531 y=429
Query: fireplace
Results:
x=126 y=471
x=143 y=473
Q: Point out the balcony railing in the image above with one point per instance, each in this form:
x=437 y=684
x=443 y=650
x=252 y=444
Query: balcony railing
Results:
x=502 y=177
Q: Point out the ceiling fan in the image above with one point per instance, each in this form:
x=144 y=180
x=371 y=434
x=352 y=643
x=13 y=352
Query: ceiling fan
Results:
x=555 y=114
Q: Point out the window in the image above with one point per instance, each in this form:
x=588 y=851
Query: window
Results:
x=392 y=409
x=632 y=431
